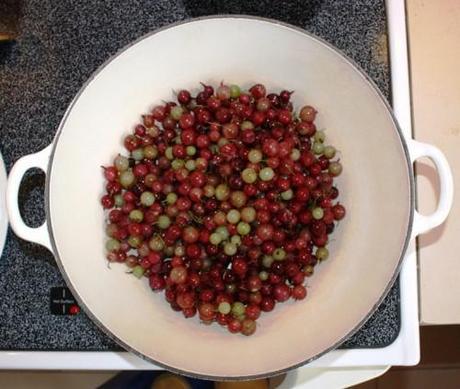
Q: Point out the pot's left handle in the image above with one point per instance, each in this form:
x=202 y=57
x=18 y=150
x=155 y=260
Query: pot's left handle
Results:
x=39 y=234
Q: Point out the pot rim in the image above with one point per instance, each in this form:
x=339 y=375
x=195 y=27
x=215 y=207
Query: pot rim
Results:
x=396 y=126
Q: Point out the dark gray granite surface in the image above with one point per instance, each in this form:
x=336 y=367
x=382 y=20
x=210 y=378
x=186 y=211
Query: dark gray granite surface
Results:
x=59 y=45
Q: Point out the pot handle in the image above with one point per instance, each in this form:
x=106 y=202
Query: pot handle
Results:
x=424 y=223
x=39 y=234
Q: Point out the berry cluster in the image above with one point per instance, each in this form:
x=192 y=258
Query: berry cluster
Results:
x=225 y=202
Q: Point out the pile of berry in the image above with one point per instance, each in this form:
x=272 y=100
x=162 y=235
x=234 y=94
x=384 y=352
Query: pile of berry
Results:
x=225 y=202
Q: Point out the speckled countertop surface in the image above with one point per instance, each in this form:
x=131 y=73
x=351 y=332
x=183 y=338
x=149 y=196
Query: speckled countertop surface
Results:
x=59 y=45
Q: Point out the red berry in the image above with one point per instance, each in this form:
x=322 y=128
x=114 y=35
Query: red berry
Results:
x=302 y=194
x=248 y=327
x=281 y=292
x=159 y=112
x=207 y=311
x=222 y=319
x=285 y=96
x=258 y=118
x=265 y=232
x=154 y=257
x=299 y=292
x=307 y=114
x=254 y=283
x=178 y=275
x=188 y=137
x=131 y=142
x=157 y=282
x=284 y=116
x=255 y=298
x=107 y=202
x=110 y=173
x=223 y=115
x=185 y=300
x=258 y=91
x=206 y=295
x=339 y=211
x=193 y=251
x=184 y=97
x=189 y=312
x=187 y=120
x=270 y=147
x=140 y=170
x=234 y=326
x=239 y=266
x=267 y=304
x=252 y=312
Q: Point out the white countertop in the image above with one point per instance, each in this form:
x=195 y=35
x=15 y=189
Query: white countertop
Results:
x=434 y=30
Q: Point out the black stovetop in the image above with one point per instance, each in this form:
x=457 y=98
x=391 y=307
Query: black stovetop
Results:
x=59 y=45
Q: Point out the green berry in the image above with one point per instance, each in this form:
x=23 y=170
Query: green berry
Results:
x=322 y=253
x=112 y=245
x=295 y=154
x=121 y=163
x=138 y=154
x=233 y=216
x=190 y=150
x=319 y=136
x=156 y=243
x=134 y=241
x=248 y=214
x=171 y=198
x=249 y=175
x=317 y=213
x=118 y=199
x=164 y=222
x=266 y=174
x=224 y=308
x=136 y=215
x=190 y=165
x=176 y=164
x=176 y=112
x=236 y=240
x=238 y=309
x=147 y=199
x=215 y=238
x=335 y=168
x=235 y=91
x=329 y=152
x=287 y=195
x=255 y=156
x=267 y=261
x=263 y=275
x=222 y=192
x=247 y=125
x=317 y=147
x=243 y=228
x=138 y=271
x=279 y=254
x=223 y=232
x=230 y=249
x=150 y=152
x=126 y=178
x=169 y=153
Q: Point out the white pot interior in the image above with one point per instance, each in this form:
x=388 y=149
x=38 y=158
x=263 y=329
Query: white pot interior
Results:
x=375 y=187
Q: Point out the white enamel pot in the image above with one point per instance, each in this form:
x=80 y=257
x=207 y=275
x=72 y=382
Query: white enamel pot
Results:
x=377 y=187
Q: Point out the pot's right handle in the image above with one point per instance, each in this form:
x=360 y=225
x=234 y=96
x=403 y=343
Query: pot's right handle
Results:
x=40 y=234
x=424 y=223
